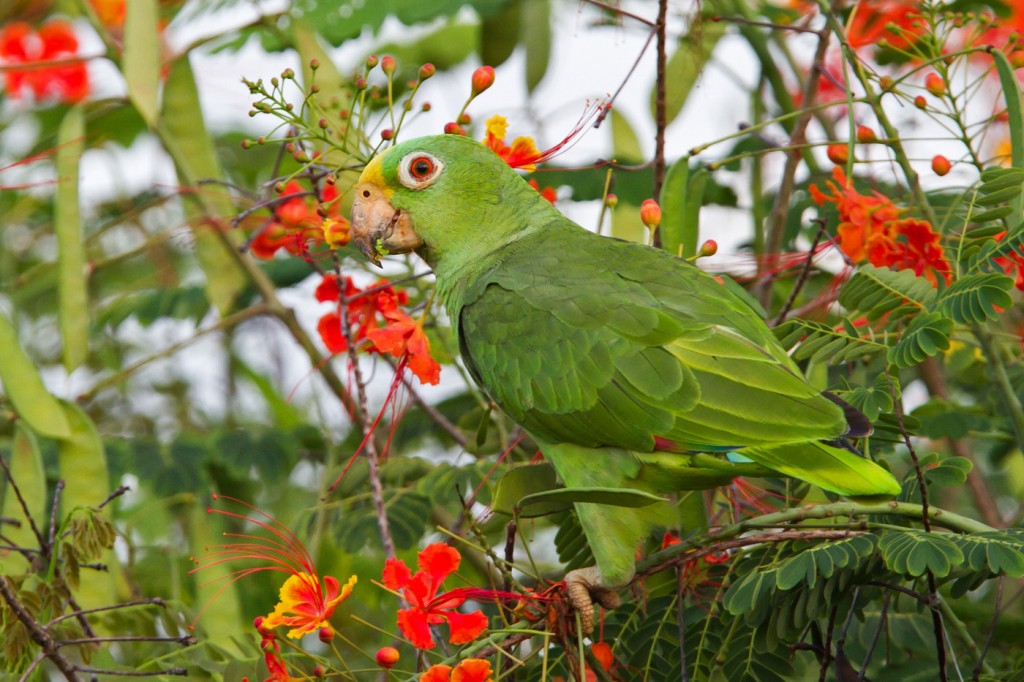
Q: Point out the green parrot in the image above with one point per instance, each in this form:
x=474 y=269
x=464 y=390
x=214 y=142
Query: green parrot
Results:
x=629 y=367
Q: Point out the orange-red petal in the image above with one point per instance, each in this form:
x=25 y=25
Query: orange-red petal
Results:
x=465 y=627
x=473 y=670
x=437 y=673
x=415 y=625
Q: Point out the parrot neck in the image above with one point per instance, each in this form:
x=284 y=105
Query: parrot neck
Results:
x=500 y=227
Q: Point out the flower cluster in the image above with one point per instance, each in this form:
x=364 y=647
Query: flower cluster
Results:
x=400 y=334
x=871 y=228
x=52 y=69
x=298 y=220
x=426 y=605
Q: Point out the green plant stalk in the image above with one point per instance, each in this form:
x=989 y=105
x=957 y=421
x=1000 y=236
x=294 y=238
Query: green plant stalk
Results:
x=1006 y=391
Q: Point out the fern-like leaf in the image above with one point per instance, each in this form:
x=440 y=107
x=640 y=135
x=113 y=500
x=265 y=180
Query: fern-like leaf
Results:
x=877 y=291
x=974 y=298
x=819 y=342
x=926 y=335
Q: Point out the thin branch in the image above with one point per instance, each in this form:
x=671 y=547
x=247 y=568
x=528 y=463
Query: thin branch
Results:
x=36 y=632
x=660 y=109
x=805 y=271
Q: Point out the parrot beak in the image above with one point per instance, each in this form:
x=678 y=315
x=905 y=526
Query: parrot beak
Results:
x=378 y=228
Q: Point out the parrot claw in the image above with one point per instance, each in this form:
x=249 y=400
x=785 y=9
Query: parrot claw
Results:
x=583 y=587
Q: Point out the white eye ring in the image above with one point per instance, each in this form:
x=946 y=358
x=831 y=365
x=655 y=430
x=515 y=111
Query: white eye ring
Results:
x=418 y=170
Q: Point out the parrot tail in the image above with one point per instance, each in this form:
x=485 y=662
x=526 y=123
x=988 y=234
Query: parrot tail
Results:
x=858 y=424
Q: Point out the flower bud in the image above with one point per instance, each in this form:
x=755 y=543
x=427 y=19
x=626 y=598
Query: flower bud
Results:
x=387 y=64
x=464 y=119
x=839 y=154
x=650 y=213
x=483 y=78
x=322 y=123
x=325 y=634
x=387 y=657
x=940 y=164
x=708 y=248
x=427 y=70
x=920 y=102
x=611 y=201
x=453 y=128
x=246 y=144
x=934 y=84
x=425 y=107
x=387 y=134
x=317 y=672
x=314 y=64
x=287 y=74
x=360 y=84
x=372 y=61
x=1017 y=59
x=886 y=82
x=866 y=134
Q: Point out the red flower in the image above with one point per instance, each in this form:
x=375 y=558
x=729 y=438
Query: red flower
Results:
x=548 y=192
x=436 y=562
x=306 y=602
x=469 y=670
x=66 y=81
x=898 y=22
x=299 y=220
x=404 y=337
x=870 y=229
x=523 y=152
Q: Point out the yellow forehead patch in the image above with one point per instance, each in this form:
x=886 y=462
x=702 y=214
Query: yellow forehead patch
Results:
x=374 y=174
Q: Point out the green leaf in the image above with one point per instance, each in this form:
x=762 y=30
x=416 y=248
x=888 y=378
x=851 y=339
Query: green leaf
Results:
x=875 y=399
x=820 y=343
x=82 y=462
x=548 y=502
x=625 y=144
x=996 y=552
x=141 y=62
x=499 y=34
x=1014 y=111
x=685 y=65
x=926 y=335
x=521 y=482
x=673 y=208
x=536 y=37
x=72 y=282
x=184 y=134
x=913 y=553
x=876 y=291
x=822 y=561
x=974 y=298
x=25 y=389
x=26 y=465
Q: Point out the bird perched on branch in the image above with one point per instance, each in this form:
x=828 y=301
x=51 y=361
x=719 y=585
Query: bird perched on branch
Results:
x=629 y=367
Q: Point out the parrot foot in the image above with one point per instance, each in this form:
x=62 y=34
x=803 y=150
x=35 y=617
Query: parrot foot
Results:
x=583 y=587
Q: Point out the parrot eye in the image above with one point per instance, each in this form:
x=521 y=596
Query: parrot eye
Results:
x=419 y=170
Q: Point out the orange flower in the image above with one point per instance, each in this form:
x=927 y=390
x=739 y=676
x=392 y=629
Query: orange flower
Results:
x=306 y=602
x=427 y=607
x=298 y=220
x=403 y=337
x=522 y=154
x=895 y=21
x=67 y=81
x=469 y=670
x=111 y=13
x=870 y=229
x=305 y=606
x=548 y=192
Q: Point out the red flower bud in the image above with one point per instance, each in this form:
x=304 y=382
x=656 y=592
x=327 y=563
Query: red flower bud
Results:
x=650 y=213
x=940 y=164
x=387 y=64
x=866 y=134
x=453 y=128
x=611 y=201
x=483 y=78
x=427 y=70
x=426 y=106
x=387 y=134
x=838 y=154
x=1017 y=59
x=387 y=657
x=325 y=634
x=317 y=672
x=934 y=84
x=464 y=119
x=314 y=64
x=372 y=61
x=360 y=84
x=708 y=248
x=886 y=82
x=920 y=102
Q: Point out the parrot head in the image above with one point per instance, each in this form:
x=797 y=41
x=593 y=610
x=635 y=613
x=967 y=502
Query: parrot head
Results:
x=444 y=197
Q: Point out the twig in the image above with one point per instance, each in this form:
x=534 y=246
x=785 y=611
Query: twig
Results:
x=777 y=217
x=366 y=424
x=38 y=634
x=660 y=113
x=180 y=672
x=805 y=271
x=681 y=623
x=991 y=631
x=882 y=616
x=24 y=506
x=81 y=612
x=940 y=637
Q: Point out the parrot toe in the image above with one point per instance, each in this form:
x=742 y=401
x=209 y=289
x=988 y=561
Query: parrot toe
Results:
x=583 y=587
